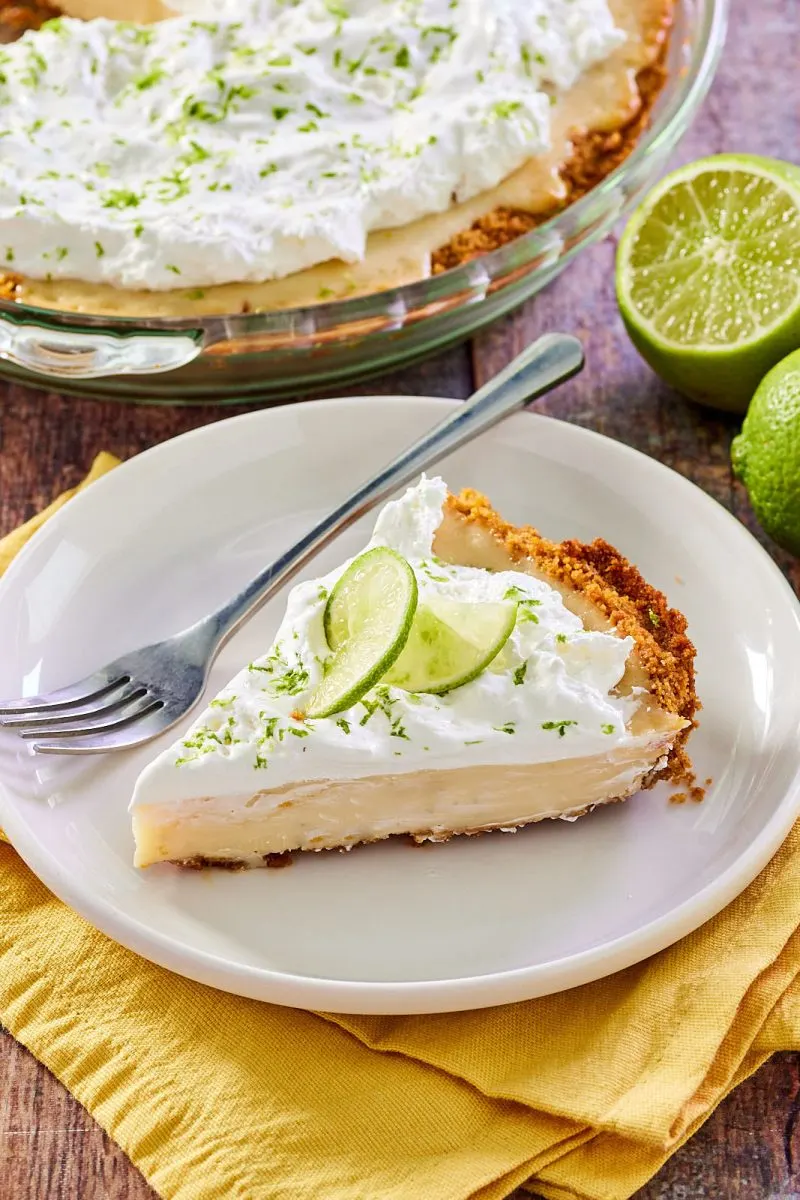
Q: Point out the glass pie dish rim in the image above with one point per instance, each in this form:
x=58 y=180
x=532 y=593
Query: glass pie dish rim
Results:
x=682 y=94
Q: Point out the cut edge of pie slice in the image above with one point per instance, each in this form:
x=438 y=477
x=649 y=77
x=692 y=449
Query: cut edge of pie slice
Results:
x=601 y=588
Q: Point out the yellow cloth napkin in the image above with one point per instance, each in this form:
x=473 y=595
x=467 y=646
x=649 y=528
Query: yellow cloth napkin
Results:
x=579 y=1095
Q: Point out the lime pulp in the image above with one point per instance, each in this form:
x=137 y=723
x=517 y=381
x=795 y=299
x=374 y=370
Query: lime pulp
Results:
x=450 y=643
x=367 y=618
x=708 y=275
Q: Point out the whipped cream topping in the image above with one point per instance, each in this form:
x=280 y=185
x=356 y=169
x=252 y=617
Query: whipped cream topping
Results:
x=196 y=152
x=548 y=696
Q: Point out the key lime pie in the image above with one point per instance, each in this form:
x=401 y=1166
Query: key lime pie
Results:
x=248 y=155
x=459 y=676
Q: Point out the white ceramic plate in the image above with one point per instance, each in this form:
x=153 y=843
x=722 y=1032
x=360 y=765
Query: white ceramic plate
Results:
x=389 y=928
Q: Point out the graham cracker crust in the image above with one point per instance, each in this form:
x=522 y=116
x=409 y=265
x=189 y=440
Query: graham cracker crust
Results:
x=16 y=19
x=200 y=862
x=635 y=608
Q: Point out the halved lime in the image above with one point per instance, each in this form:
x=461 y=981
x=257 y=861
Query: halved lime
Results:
x=450 y=643
x=367 y=621
x=708 y=275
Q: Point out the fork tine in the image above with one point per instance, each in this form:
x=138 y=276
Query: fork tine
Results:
x=93 y=687
x=138 y=709
x=133 y=734
x=42 y=720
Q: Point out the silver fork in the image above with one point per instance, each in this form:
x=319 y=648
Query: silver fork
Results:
x=143 y=693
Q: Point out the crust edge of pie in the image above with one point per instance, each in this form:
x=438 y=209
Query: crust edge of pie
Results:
x=615 y=587
x=596 y=153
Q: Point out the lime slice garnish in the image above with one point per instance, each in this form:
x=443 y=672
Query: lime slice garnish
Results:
x=367 y=621
x=450 y=643
x=708 y=275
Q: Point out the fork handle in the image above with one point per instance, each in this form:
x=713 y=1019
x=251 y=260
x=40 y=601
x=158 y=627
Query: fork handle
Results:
x=539 y=368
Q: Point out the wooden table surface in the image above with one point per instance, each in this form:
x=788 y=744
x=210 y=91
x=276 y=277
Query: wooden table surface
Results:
x=50 y=1149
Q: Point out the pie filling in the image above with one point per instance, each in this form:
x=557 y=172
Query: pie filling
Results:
x=282 y=155
x=591 y=698
x=427 y=805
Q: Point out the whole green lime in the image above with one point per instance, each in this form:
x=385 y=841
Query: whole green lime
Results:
x=766 y=454
x=708 y=275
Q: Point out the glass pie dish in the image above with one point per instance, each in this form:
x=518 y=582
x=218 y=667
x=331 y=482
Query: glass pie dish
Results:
x=234 y=357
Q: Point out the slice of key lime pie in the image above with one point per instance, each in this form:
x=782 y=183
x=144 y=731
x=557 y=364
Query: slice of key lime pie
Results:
x=460 y=675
